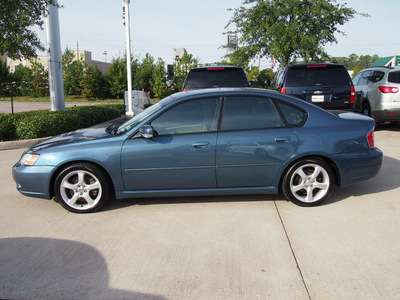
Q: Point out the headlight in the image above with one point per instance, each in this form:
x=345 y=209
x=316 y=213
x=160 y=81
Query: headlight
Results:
x=28 y=159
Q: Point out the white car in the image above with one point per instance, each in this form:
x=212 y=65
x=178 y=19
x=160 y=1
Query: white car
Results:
x=378 y=93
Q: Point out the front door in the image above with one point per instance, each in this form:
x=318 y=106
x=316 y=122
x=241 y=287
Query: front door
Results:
x=182 y=153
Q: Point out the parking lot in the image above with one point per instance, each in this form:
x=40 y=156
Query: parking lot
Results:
x=233 y=247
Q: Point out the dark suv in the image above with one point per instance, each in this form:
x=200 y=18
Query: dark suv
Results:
x=215 y=76
x=326 y=85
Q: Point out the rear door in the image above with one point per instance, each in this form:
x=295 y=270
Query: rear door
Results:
x=253 y=142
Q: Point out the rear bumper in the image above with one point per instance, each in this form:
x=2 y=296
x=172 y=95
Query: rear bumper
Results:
x=359 y=166
x=386 y=115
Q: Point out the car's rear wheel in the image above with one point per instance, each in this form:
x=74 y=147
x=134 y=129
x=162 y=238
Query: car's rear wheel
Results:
x=82 y=188
x=308 y=182
x=366 y=109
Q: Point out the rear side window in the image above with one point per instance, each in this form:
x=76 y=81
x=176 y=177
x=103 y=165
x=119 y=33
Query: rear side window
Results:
x=317 y=76
x=394 y=77
x=376 y=76
x=293 y=115
x=245 y=113
x=216 y=77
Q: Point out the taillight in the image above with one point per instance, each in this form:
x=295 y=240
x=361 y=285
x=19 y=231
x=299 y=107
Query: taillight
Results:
x=215 y=69
x=389 y=89
x=184 y=90
x=352 y=95
x=283 y=90
x=370 y=138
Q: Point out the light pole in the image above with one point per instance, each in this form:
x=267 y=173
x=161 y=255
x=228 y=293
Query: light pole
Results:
x=125 y=14
x=105 y=56
x=56 y=81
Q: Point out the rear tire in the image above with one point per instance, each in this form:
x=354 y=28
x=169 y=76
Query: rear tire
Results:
x=308 y=182
x=82 y=188
x=366 y=109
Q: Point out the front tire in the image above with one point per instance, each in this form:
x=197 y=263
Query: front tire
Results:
x=308 y=182
x=82 y=188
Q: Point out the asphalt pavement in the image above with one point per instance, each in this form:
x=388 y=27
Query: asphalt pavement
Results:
x=233 y=247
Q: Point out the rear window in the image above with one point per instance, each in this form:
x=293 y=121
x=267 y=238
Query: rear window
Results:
x=216 y=77
x=394 y=77
x=317 y=76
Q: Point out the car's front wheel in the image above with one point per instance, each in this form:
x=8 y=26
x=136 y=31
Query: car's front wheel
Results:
x=308 y=182
x=82 y=188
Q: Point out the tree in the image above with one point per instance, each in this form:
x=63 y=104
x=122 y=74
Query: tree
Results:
x=5 y=78
x=94 y=84
x=17 y=38
x=144 y=74
x=73 y=73
x=288 y=29
x=182 y=68
x=116 y=77
x=39 y=84
x=22 y=77
x=158 y=80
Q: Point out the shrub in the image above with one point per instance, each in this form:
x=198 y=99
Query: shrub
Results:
x=43 y=123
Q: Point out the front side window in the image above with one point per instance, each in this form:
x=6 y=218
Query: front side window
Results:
x=245 y=113
x=194 y=116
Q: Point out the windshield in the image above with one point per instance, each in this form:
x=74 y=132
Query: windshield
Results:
x=138 y=118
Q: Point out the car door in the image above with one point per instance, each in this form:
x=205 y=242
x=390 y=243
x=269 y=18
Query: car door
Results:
x=181 y=155
x=253 y=142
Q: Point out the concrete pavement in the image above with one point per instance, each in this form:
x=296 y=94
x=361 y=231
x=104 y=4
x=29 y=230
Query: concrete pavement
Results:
x=236 y=247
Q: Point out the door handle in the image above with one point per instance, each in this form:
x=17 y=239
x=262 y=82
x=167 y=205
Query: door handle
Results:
x=201 y=145
x=282 y=140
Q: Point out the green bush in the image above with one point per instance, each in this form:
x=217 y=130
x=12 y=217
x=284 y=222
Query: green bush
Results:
x=43 y=123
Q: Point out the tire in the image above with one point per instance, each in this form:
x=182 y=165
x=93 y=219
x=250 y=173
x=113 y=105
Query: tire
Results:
x=82 y=188
x=308 y=182
x=366 y=109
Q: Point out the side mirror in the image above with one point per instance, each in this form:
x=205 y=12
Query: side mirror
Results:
x=252 y=83
x=267 y=82
x=146 y=131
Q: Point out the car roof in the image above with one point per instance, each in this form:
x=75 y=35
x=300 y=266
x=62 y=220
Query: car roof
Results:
x=302 y=65
x=382 y=68
x=216 y=66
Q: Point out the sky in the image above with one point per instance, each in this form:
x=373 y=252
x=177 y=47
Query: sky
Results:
x=159 y=26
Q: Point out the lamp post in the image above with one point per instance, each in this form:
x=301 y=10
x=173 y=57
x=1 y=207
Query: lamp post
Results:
x=56 y=81
x=105 y=56
x=125 y=14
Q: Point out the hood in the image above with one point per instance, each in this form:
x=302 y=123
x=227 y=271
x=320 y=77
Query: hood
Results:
x=81 y=135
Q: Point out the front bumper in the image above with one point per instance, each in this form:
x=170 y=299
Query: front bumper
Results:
x=33 y=181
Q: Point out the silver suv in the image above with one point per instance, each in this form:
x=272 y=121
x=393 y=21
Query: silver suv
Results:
x=378 y=93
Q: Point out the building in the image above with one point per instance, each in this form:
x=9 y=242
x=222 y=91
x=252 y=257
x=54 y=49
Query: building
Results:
x=389 y=61
x=179 y=53
x=86 y=56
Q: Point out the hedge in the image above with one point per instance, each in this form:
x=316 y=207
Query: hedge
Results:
x=43 y=123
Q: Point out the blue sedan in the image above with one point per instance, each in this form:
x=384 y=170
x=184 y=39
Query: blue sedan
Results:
x=205 y=142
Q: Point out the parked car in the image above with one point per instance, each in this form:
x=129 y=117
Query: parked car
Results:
x=215 y=76
x=205 y=142
x=378 y=93
x=326 y=85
